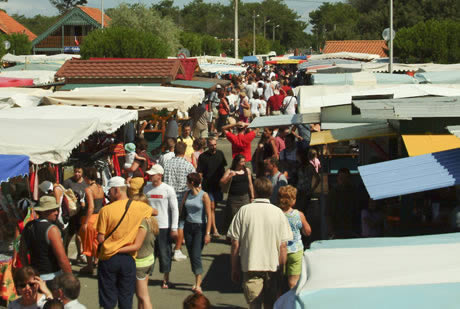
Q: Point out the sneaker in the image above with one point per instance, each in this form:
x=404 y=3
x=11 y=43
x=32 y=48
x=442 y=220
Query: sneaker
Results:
x=179 y=256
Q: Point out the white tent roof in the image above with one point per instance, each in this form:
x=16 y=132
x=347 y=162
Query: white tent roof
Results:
x=397 y=67
x=312 y=98
x=39 y=76
x=50 y=133
x=344 y=55
x=60 y=58
x=217 y=59
x=221 y=68
x=136 y=97
x=21 y=97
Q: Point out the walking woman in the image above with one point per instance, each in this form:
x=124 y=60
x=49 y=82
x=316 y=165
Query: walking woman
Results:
x=241 y=191
x=266 y=148
x=196 y=211
x=145 y=259
x=298 y=223
x=94 y=200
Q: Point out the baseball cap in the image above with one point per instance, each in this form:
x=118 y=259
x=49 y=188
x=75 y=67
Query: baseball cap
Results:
x=47 y=203
x=218 y=86
x=116 y=182
x=156 y=169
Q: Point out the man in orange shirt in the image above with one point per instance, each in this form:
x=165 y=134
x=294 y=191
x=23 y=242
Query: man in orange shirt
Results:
x=117 y=227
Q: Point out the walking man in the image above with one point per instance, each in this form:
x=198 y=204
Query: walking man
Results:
x=277 y=178
x=211 y=166
x=259 y=232
x=175 y=175
x=163 y=198
x=117 y=227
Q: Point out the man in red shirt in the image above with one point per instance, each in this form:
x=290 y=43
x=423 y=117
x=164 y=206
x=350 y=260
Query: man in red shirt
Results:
x=274 y=103
x=241 y=142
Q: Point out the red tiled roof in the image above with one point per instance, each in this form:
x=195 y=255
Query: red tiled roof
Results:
x=121 y=68
x=376 y=47
x=95 y=14
x=9 y=25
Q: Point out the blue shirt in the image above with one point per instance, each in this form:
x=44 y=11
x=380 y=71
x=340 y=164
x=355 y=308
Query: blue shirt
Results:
x=195 y=208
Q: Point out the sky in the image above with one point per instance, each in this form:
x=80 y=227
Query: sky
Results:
x=43 y=7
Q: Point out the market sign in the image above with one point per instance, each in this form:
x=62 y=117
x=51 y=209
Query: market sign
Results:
x=71 y=49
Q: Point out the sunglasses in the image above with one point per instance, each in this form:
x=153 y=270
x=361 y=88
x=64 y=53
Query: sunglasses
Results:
x=23 y=285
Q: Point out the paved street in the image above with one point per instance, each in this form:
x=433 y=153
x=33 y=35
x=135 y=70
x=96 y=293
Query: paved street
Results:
x=217 y=285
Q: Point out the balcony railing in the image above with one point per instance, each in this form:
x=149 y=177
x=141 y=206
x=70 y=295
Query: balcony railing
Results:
x=56 y=41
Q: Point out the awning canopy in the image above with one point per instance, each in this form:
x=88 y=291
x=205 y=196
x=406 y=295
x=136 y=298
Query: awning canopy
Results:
x=423 y=144
x=130 y=97
x=284 y=120
x=411 y=175
x=221 y=69
x=21 y=97
x=361 y=78
x=455 y=130
x=250 y=59
x=346 y=134
x=38 y=77
x=418 y=272
x=13 y=166
x=75 y=86
x=50 y=133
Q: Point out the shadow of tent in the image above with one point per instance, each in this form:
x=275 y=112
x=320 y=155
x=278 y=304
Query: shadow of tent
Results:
x=218 y=277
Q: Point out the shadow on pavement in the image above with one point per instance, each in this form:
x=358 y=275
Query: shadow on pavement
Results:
x=225 y=306
x=218 y=276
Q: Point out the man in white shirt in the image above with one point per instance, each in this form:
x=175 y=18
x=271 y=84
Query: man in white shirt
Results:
x=163 y=198
x=68 y=290
x=259 y=233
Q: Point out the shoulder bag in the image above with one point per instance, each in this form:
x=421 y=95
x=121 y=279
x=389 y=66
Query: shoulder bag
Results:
x=99 y=247
x=283 y=108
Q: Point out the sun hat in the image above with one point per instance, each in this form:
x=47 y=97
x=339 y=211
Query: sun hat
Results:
x=156 y=169
x=130 y=147
x=46 y=186
x=47 y=203
x=116 y=182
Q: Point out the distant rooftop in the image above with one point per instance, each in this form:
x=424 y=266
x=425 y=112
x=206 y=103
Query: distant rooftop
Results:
x=376 y=47
x=9 y=25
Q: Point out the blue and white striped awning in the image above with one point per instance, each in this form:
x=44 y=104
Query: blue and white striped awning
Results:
x=411 y=175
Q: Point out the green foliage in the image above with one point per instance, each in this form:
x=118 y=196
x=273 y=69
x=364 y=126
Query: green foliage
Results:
x=20 y=44
x=431 y=41
x=37 y=24
x=277 y=47
x=192 y=42
x=141 y=18
x=210 y=45
x=64 y=5
x=246 y=45
x=122 y=42
x=227 y=47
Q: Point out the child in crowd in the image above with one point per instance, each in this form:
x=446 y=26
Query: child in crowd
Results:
x=131 y=155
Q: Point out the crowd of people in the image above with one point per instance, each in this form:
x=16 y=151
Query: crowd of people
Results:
x=123 y=224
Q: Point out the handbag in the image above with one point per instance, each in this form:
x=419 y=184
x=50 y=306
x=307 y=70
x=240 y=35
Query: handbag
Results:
x=99 y=246
x=283 y=108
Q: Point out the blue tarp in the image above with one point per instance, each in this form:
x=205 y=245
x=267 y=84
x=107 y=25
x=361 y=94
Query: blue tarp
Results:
x=13 y=166
x=247 y=59
x=298 y=57
x=411 y=175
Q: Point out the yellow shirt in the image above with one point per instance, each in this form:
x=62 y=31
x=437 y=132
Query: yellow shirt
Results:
x=125 y=234
x=189 y=142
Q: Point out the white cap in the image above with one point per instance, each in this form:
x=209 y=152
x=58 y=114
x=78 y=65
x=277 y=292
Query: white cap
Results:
x=116 y=182
x=46 y=186
x=218 y=86
x=156 y=169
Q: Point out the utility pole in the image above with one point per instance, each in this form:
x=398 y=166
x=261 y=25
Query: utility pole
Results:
x=274 y=27
x=265 y=25
x=102 y=13
x=254 y=33
x=390 y=65
x=236 y=29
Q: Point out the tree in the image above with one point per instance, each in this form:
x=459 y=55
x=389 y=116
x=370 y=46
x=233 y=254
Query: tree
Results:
x=246 y=45
x=20 y=44
x=210 y=45
x=64 y=5
x=277 y=47
x=431 y=41
x=141 y=18
x=119 y=42
x=191 y=41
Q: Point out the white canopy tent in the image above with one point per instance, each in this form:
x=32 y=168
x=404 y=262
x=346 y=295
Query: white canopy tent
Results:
x=313 y=98
x=39 y=76
x=50 y=133
x=134 y=97
x=21 y=97
x=60 y=58
x=345 y=55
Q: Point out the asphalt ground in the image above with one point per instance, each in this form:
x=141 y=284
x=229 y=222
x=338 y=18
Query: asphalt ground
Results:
x=217 y=285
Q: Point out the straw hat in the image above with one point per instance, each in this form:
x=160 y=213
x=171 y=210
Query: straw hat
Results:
x=47 y=203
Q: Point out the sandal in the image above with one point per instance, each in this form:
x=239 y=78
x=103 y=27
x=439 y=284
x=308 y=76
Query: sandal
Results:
x=165 y=285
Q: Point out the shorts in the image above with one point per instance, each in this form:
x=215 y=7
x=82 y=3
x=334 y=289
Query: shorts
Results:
x=216 y=196
x=294 y=263
x=143 y=272
x=181 y=224
x=260 y=287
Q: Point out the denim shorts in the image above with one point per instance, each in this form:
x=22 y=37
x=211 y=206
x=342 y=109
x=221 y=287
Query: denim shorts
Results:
x=216 y=196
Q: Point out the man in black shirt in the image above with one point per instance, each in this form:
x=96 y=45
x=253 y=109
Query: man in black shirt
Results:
x=211 y=166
